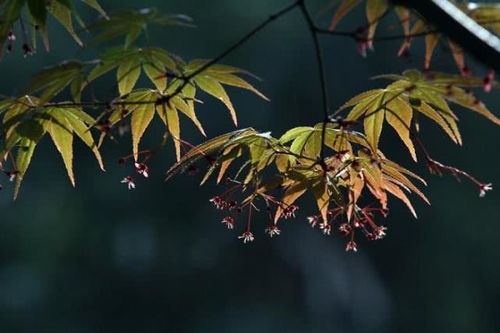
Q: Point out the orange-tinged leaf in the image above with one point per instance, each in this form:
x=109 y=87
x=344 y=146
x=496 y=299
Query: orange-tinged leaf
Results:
x=375 y=10
x=320 y=192
x=292 y=193
x=417 y=28
x=397 y=177
x=397 y=192
x=354 y=194
x=390 y=164
x=431 y=41
x=404 y=18
x=458 y=54
x=345 y=7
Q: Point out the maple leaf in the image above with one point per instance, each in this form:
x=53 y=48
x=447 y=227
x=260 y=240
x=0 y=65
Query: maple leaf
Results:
x=25 y=125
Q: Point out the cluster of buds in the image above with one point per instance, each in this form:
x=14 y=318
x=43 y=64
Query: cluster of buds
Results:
x=222 y=204
x=362 y=221
x=289 y=211
x=228 y=221
x=11 y=37
x=366 y=223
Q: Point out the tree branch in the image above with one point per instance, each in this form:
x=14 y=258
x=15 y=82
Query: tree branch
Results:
x=322 y=76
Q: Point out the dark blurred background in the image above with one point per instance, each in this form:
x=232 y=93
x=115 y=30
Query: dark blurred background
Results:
x=99 y=258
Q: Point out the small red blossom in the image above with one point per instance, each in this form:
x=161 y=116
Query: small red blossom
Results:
x=228 y=221
x=359 y=223
x=218 y=202
x=129 y=181
x=273 y=230
x=362 y=45
x=290 y=211
x=488 y=81
x=27 y=50
x=12 y=174
x=466 y=71
x=247 y=236
x=362 y=42
x=351 y=246
x=483 y=188
x=313 y=220
x=326 y=227
x=379 y=232
x=11 y=36
x=142 y=169
x=345 y=229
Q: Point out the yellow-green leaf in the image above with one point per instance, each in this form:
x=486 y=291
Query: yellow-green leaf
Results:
x=175 y=130
x=140 y=120
x=373 y=122
x=79 y=121
x=63 y=15
x=214 y=88
x=399 y=114
x=94 y=4
x=127 y=75
x=62 y=136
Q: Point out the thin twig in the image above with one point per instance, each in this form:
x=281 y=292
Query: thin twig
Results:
x=322 y=76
